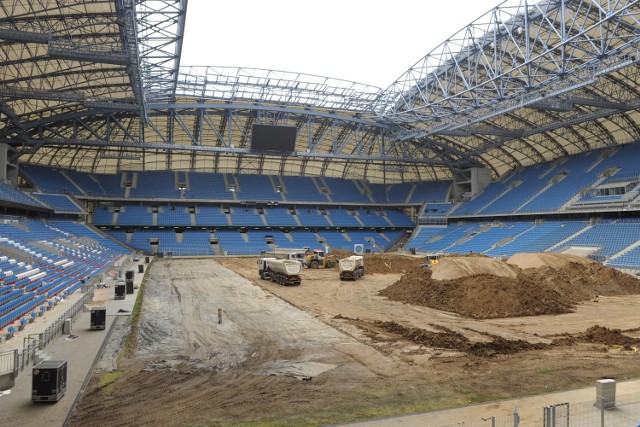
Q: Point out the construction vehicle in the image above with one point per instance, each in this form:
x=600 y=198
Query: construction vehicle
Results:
x=319 y=258
x=351 y=268
x=263 y=268
x=289 y=253
x=282 y=271
x=432 y=260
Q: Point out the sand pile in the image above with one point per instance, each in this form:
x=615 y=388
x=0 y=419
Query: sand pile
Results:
x=553 y=288
x=463 y=266
x=537 y=260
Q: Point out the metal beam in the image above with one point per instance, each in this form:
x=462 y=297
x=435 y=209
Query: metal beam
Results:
x=126 y=14
x=160 y=25
x=553 y=104
x=95 y=54
x=8 y=111
x=262 y=107
x=599 y=103
x=506 y=54
x=67 y=142
x=565 y=123
x=469 y=131
x=12 y=35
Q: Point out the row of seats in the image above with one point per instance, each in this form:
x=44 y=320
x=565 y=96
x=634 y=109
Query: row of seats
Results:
x=218 y=186
x=43 y=260
x=9 y=193
x=60 y=203
x=614 y=242
x=184 y=216
x=252 y=242
x=496 y=239
x=561 y=185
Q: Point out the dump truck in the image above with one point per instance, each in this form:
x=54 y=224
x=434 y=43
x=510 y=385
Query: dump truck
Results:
x=319 y=258
x=351 y=268
x=289 y=253
x=281 y=271
x=263 y=268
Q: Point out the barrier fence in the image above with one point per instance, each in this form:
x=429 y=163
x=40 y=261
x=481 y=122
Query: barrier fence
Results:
x=625 y=412
x=18 y=359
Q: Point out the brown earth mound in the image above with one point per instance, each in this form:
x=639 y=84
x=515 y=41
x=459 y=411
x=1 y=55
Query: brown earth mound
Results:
x=385 y=263
x=446 y=339
x=537 y=260
x=463 y=266
x=502 y=346
x=340 y=253
x=534 y=291
x=601 y=335
x=451 y=340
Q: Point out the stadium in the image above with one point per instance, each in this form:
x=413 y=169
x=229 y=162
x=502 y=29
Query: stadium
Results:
x=504 y=163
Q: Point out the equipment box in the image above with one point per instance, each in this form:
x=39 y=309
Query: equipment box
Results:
x=129 y=286
x=119 y=291
x=49 y=381
x=98 y=318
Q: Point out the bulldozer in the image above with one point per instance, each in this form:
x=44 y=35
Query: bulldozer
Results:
x=319 y=258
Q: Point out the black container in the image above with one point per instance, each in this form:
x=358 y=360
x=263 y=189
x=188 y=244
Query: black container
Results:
x=129 y=274
x=140 y=268
x=129 y=286
x=98 y=318
x=49 y=381
x=119 y=291
x=146 y=260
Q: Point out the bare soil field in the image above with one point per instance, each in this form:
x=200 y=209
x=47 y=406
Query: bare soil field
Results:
x=396 y=341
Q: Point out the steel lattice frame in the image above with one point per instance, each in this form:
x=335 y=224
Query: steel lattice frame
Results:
x=97 y=86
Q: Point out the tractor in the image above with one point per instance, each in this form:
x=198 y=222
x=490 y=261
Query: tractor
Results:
x=319 y=258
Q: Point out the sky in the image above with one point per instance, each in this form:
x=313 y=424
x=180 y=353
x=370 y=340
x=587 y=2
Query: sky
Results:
x=372 y=42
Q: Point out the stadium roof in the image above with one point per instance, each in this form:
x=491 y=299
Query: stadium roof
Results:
x=98 y=86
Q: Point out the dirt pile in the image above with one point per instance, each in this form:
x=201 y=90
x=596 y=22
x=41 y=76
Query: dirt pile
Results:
x=451 y=340
x=464 y=266
x=385 y=263
x=444 y=338
x=549 y=289
x=536 y=260
x=341 y=253
x=601 y=335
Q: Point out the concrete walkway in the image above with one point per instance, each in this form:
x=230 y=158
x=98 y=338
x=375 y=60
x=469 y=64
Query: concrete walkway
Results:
x=79 y=350
x=530 y=410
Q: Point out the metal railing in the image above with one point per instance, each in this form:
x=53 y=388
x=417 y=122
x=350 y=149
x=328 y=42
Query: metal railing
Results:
x=18 y=359
x=625 y=411
x=509 y=420
x=9 y=362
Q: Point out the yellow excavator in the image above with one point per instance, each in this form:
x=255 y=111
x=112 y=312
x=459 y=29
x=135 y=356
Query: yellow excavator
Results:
x=320 y=259
x=432 y=260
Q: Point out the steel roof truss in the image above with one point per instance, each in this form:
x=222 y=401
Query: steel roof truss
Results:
x=186 y=129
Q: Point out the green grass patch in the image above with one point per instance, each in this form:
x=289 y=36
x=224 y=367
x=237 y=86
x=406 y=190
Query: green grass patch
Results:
x=129 y=344
x=360 y=405
x=106 y=381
